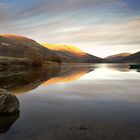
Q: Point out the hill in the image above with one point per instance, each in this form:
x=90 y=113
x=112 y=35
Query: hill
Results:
x=123 y=58
x=134 y=58
x=15 y=49
x=21 y=50
x=72 y=54
x=116 y=57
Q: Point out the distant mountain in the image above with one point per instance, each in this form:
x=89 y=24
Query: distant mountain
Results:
x=72 y=54
x=116 y=57
x=123 y=58
x=134 y=58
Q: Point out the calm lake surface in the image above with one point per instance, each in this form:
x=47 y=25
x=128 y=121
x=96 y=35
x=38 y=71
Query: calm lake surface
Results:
x=82 y=102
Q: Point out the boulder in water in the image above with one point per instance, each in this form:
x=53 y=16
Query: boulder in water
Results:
x=8 y=102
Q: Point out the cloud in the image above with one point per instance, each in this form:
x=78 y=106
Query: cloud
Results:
x=88 y=23
x=61 y=6
x=4 y=13
x=124 y=32
x=35 y=8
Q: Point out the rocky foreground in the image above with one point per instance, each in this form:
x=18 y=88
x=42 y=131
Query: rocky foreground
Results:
x=9 y=103
x=9 y=110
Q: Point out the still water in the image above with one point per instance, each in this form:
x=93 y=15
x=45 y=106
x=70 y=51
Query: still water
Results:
x=82 y=102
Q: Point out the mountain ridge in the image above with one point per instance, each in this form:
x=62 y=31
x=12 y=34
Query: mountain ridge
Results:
x=15 y=49
x=72 y=53
x=20 y=47
x=116 y=57
x=123 y=58
x=133 y=58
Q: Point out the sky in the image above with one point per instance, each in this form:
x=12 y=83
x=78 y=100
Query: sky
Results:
x=99 y=27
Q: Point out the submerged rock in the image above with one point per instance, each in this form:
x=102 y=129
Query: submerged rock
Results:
x=8 y=102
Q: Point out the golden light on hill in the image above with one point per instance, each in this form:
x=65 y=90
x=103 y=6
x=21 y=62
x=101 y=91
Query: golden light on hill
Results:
x=65 y=48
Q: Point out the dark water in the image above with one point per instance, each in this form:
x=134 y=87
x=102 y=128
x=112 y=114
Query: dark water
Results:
x=83 y=102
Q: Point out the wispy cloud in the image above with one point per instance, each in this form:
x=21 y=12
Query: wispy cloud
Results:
x=90 y=24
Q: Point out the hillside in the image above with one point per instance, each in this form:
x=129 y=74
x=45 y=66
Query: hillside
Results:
x=123 y=58
x=15 y=49
x=16 y=39
x=24 y=50
x=72 y=54
x=116 y=57
x=21 y=50
x=134 y=58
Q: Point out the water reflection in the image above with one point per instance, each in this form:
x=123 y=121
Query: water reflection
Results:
x=6 y=121
x=24 y=80
x=118 y=67
x=96 y=101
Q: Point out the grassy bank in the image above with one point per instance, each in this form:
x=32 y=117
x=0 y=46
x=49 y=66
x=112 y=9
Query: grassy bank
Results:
x=8 y=61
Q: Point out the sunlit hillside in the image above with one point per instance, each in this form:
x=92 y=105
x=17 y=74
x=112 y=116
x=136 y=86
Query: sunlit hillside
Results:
x=73 y=54
x=65 y=48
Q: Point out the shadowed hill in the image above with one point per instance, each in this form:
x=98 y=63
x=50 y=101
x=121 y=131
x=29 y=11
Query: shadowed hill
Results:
x=134 y=58
x=124 y=58
x=116 y=57
x=24 y=50
x=16 y=39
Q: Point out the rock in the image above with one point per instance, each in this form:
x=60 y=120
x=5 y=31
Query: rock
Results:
x=8 y=103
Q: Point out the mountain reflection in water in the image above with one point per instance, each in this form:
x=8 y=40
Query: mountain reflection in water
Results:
x=24 y=80
x=82 y=102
